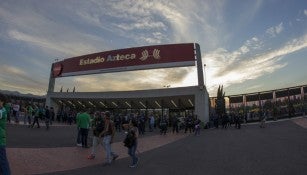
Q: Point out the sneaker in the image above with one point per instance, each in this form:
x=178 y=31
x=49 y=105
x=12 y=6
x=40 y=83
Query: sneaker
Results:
x=135 y=165
x=115 y=157
x=137 y=161
x=79 y=144
x=91 y=157
x=132 y=166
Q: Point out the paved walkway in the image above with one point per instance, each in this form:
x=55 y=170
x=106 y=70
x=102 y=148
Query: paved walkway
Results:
x=280 y=148
x=33 y=159
x=44 y=160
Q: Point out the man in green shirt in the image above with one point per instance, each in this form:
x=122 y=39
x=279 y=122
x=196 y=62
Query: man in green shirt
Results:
x=7 y=107
x=4 y=164
x=83 y=122
x=30 y=114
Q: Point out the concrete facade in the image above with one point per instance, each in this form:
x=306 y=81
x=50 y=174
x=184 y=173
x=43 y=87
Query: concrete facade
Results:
x=182 y=97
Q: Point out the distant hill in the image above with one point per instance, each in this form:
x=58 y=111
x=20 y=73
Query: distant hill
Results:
x=16 y=93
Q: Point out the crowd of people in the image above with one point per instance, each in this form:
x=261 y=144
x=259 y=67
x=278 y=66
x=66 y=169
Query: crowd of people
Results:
x=104 y=125
x=29 y=113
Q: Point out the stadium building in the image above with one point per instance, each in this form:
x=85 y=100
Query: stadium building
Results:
x=192 y=99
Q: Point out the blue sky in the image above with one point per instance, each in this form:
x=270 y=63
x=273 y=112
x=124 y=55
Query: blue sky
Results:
x=248 y=46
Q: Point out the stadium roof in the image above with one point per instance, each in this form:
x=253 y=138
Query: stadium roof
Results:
x=172 y=98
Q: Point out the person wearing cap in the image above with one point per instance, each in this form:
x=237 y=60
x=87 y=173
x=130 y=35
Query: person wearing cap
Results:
x=108 y=135
x=4 y=164
x=98 y=127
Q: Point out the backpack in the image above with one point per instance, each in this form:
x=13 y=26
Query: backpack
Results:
x=99 y=126
x=130 y=139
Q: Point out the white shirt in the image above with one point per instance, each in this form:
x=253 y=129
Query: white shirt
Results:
x=16 y=107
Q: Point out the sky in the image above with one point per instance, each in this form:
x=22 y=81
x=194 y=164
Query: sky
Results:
x=247 y=46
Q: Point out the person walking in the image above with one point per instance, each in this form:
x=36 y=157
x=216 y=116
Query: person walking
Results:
x=108 y=135
x=52 y=114
x=262 y=120
x=189 y=124
x=4 y=164
x=163 y=125
x=98 y=127
x=118 y=122
x=47 y=117
x=197 y=126
x=132 y=147
x=36 y=116
x=83 y=122
x=175 y=122
x=151 y=122
x=16 y=108
x=238 y=121
x=29 y=114
x=23 y=114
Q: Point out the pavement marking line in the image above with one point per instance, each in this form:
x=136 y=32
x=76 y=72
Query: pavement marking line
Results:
x=47 y=160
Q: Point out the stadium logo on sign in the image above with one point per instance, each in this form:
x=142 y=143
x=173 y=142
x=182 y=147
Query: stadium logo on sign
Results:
x=57 y=70
x=155 y=54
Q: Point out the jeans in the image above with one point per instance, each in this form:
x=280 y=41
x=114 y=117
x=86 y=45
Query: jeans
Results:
x=151 y=126
x=16 y=115
x=24 y=115
x=107 y=146
x=131 y=152
x=197 y=130
x=96 y=141
x=4 y=164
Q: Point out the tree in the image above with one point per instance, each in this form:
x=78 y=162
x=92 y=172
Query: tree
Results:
x=220 y=102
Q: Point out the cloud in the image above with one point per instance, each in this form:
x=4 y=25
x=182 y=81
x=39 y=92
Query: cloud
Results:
x=41 y=32
x=14 y=78
x=228 y=68
x=254 y=44
x=124 y=81
x=273 y=31
x=254 y=87
x=50 y=46
x=141 y=19
x=84 y=27
x=143 y=24
x=139 y=22
x=305 y=12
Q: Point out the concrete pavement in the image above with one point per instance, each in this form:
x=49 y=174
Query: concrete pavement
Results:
x=280 y=148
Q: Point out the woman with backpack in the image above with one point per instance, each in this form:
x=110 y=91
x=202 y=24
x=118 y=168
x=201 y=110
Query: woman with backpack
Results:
x=131 y=141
